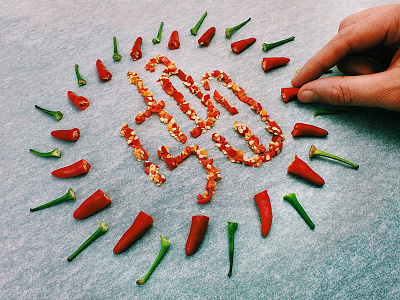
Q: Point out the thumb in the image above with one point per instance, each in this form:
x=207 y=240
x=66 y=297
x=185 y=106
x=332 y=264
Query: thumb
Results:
x=374 y=90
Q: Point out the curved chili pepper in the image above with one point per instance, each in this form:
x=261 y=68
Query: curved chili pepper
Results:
x=174 y=40
x=241 y=45
x=295 y=203
x=140 y=225
x=78 y=168
x=79 y=101
x=104 y=74
x=273 y=62
x=264 y=207
x=301 y=129
x=300 y=168
x=288 y=93
x=197 y=231
x=136 y=52
x=205 y=39
x=66 y=134
x=97 y=201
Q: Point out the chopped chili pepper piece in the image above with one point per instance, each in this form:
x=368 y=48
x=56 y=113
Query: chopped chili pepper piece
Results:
x=301 y=129
x=264 y=207
x=97 y=201
x=194 y=30
x=269 y=63
x=136 y=52
x=79 y=101
x=230 y=31
x=196 y=235
x=241 y=45
x=102 y=229
x=300 y=168
x=81 y=81
x=139 y=226
x=174 y=41
x=267 y=47
x=205 y=39
x=164 y=247
x=288 y=93
x=116 y=55
x=56 y=114
x=70 y=195
x=315 y=152
x=76 y=169
x=66 y=134
x=293 y=200
x=231 y=234
x=104 y=74
x=158 y=38
x=54 y=153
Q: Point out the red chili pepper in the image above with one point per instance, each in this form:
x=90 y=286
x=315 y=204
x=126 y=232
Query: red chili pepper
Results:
x=136 y=52
x=206 y=37
x=79 y=101
x=241 y=45
x=301 y=129
x=78 y=168
x=288 y=93
x=97 y=201
x=273 y=62
x=264 y=207
x=300 y=168
x=104 y=74
x=139 y=226
x=67 y=134
x=174 y=40
x=196 y=234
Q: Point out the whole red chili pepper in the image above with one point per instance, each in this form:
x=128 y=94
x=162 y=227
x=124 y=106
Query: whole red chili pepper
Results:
x=136 y=52
x=66 y=134
x=97 y=201
x=301 y=129
x=79 y=101
x=273 y=62
x=264 y=207
x=241 y=45
x=288 y=93
x=139 y=226
x=104 y=74
x=174 y=40
x=206 y=37
x=300 y=168
x=78 y=168
x=197 y=231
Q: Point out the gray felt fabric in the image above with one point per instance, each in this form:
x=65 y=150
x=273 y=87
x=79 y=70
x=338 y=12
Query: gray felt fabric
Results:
x=353 y=252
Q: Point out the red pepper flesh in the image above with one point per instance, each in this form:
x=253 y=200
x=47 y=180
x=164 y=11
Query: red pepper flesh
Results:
x=264 y=207
x=241 y=45
x=76 y=169
x=206 y=37
x=104 y=74
x=139 y=226
x=136 y=52
x=300 y=168
x=97 y=201
x=66 y=134
x=273 y=62
x=79 y=101
x=197 y=231
x=174 y=40
x=288 y=93
x=301 y=129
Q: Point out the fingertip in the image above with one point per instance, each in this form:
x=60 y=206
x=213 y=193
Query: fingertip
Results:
x=307 y=96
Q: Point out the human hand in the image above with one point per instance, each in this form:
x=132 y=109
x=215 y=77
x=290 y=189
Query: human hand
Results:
x=366 y=45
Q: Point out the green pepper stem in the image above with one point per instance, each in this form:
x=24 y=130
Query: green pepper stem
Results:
x=81 y=81
x=230 y=31
x=158 y=38
x=70 y=195
x=164 y=247
x=116 y=55
x=267 y=47
x=231 y=233
x=54 y=153
x=295 y=203
x=56 y=114
x=331 y=112
x=102 y=229
x=194 y=30
x=316 y=152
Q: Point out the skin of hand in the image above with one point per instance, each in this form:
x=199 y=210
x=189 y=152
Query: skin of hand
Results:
x=366 y=45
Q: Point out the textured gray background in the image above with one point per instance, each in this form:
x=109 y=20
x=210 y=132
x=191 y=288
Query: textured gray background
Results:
x=353 y=253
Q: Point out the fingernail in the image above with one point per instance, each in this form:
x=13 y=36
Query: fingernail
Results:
x=308 y=97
